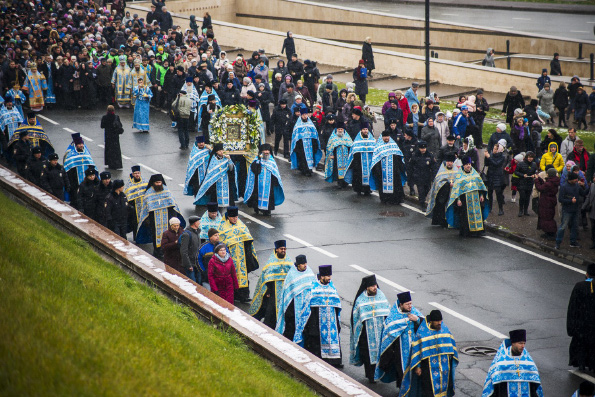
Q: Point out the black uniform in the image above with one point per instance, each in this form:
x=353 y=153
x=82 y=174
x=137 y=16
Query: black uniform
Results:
x=21 y=152
x=116 y=213
x=422 y=170
x=100 y=195
x=35 y=169
x=85 y=196
x=283 y=126
x=408 y=148
x=55 y=181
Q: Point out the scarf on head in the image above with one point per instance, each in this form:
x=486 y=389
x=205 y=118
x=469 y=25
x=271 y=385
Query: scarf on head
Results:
x=223 y=259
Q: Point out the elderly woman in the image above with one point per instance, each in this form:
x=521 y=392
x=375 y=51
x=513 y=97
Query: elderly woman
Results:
x=222 y=273
x=247 y=85
x=546 y=99
x=171 y=249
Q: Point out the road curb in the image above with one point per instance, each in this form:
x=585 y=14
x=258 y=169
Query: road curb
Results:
x=512 y=6
x=524 y=240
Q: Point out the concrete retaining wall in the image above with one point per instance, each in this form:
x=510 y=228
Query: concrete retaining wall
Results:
x=346 y=55
x=321 y=377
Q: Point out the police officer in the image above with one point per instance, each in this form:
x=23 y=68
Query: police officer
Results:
x=422 y=166
x=54 y=180
x=116 y=209
x=36 y=166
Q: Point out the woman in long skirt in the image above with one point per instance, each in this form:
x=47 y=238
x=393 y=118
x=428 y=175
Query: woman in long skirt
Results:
x=113 y=128
x=222 y=274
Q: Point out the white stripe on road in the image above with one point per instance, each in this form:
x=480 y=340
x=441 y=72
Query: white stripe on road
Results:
x=582 y=375
x=261 y=223
x=180 y=184
x=469 y=321
x=306 y=244
x=522 y=19
x=396 y=286
x=545 y=258
x=86 y=138
x=154 y=171
x=412 y=208
x=503 y=27
x=578 y=31
x=47 y=119
x=101 y=146
x=125 y=157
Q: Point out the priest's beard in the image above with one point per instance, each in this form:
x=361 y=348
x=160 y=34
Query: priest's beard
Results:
x=364 y=135
x=515 y=352
x=266 y=156
x=324 y=282
x=280 y=256
x=158 y=188
x=404 y=310
x=436 y=327
x=372 y=293
x=340 y=134
x=448 y=168
x=137 y=180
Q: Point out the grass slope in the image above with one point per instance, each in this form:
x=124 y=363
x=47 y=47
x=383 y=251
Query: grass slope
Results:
x=74 y=324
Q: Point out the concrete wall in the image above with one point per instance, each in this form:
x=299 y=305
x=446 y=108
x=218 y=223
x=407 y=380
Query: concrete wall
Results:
x=389 y=62
x=535 y=64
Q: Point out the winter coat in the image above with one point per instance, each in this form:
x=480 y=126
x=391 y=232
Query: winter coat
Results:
x=580 y=159
x=589 y=204
x=55 y=181
x=171 y=249
x=511 y=103
x=472 y=154
x=580 y=105
x=296 y=69
x=368 y=56
x=421 y=168
x=520 y=145
x=546 y=98
x=541 y=80
x=561 y=98
x=361 y=83
x=443 y=130
x=567 y=193
x=230 y=97
x=548 y=191
x=281 y=120
x=86 y=198
x=552 y=158
x=288 y=46
x=116 y=210
x=566 y=147
x=555 y=68
x=408 y=147
x=282 y=70
x=222 y=278
x=481 y=107
x=496 y=136
x=396 y=114
x=432 y=137
x=488 y=60
x=445 y=149
x=495 y=173
x=525 y=168
x=189 y=245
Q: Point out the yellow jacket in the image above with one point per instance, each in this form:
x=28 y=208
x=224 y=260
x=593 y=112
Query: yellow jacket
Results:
x=552 y=158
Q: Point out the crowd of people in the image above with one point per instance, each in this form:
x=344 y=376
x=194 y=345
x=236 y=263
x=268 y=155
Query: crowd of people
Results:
x=86 y=54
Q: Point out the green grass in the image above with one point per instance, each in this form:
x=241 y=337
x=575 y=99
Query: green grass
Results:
x=75 y=324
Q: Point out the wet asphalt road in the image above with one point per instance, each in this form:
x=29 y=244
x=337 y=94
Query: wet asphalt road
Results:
x=495 y=285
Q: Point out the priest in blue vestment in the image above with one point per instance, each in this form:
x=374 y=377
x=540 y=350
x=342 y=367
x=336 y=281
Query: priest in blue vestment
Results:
x=370 y=308
x=142 y=95
x=359 y=170
x=198 y=161
x=305 y=146
x=337 y=156
x=219 y=183
x=395 y=345
x=135 y=191
x=513 y=372
x=434 y=359
x=76 y=160
x=299 y=280
x=159 y=206
x=388 y=170
x=323 y=313
x=264 y=189
x=268 y=293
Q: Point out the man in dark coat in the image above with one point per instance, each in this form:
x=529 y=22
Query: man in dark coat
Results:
x=103 y=189
x=580 y=106
x=368 y=56
x=296 y=68
x=422 y=166
x=282 y=126
x=54 y=179
x=393 y=113
x=21 y=152
x=231 y=95
x=311 y=77
x=408 y=144
x=514 y=100
x=555 y=68
x=36 y=166
x=449 y=148
x=288 y=45
x=580 y=322
x=116 y=209
x=86 y=193
x=104 y=81
x=385 y=152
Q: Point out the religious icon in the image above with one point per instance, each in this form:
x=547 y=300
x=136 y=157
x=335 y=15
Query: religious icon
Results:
x=233 y=132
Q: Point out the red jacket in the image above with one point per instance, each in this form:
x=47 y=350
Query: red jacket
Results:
x=580 y=159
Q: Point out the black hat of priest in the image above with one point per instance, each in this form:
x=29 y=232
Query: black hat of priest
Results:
x=586 y=388
x=280 y=244
x=135 y=168
x=265 y=146
x=211 y=97
x=365 y=124
x=36 y=150
x=385 y=133
x=105 y=175
x=31 y=115
x=283 y=102
x=193 y=219
x=340 y=124
x=212 y=232
x=325 y=270
x=118 y=183
x=76 y=138
x=466 y=160
x=369 y=281
x=300 y=260
x=304 y=110
x=155 y=178
x=212 y=206
x=435 y=315
x=53 y=156
x=591 y=269
x=232 y=211
x=217 y=147
x=518 y=335
x=200 y=139
x=450 y=157
x=404 y=297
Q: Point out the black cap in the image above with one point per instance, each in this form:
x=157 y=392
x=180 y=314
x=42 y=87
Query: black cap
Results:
x=300 y=259
x=369 y=281
x=356 y=111
x=193 y=219
x=265 y=146
x=451 y=138
x=435 y=315
x=283 y=102
x=217 y=147
x=105 y=175
x=422 y=144
x=31 y=115
x=232 y=211
x=211 y=97
x=518 y=335
x=90 y=171
x=572 y=176
x=325 y=270
x=385 y=133
x=53 y=156
x=135 y=168
x=340 y=124
x=36 y=150
x=280 y=244
x=404 y=297
x=200 y=139
x=118 y=183
x=212 y=206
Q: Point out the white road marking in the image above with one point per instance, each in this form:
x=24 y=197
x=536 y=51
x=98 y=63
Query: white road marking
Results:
x=449 y=15
x=468 y=320
x=503 y=27
x=101 y=146
x=306 y=244
x=180 y=184
x=47 y=119
x=582 y=375
x=396 y=286
x=545 y=258
x=412 y=208
x=154 y=171
x=261 y=223
x=125 y=157
x=579 y=31
x=522 y=19
x=86 y=138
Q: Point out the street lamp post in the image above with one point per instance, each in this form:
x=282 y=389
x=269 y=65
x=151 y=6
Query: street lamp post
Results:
x=427 y=48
